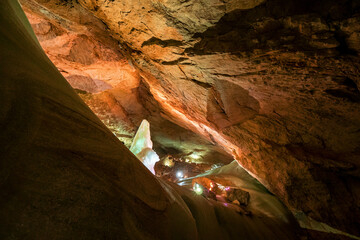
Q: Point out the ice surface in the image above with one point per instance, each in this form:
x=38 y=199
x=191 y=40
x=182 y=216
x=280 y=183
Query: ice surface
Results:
x=142 y=138
x=142 y=145
x=261 y=200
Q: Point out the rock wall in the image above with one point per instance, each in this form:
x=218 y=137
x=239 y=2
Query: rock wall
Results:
x=99 y=68
x=64 y=175
x=274 y=82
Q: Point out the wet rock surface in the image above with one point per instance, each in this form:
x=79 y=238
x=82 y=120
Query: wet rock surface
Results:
x=274 y=82
x=241 y=196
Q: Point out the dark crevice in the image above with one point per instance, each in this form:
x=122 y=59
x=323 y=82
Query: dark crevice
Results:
x=162 y=43
x=347 y=89
x=175 y=62
x=343 y=47
x=201 y=84
x=263 y=28
x=344 y=94
x=347 y=82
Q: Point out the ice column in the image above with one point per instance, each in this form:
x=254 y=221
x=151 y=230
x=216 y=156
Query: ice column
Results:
x=142 y=145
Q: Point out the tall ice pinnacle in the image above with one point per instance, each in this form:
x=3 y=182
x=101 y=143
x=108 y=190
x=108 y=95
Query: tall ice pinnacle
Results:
x=142 y=145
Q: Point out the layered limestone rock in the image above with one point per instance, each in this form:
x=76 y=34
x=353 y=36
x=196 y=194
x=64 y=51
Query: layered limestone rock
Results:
x=98 y=67
x=274 y=82
x=64 y=175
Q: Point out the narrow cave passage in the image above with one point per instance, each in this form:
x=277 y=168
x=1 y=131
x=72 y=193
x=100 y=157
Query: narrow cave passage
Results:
x=179 y=120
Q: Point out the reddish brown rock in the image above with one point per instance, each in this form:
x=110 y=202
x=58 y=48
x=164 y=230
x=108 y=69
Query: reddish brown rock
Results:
x=64 y=175
x=93 y=62
x=275 y=83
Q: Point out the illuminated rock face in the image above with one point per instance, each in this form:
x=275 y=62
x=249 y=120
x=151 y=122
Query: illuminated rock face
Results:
x=64 y=175
x=100 y=69
x=274 y=82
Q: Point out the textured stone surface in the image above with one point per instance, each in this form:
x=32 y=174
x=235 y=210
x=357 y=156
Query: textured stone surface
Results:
x=275 y=82
x=241 y=196
x=64 y=175
x=97 y=65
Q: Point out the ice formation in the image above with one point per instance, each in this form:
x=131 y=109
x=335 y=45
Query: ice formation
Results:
x=142 y=145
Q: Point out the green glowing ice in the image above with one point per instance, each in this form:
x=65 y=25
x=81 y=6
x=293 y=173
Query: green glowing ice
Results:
x=142 y=145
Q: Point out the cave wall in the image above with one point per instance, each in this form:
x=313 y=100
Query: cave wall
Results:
x=65 y=175
x=274 y=82
x=101 y=71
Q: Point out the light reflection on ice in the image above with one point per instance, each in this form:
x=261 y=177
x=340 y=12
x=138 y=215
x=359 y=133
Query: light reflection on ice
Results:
x=142 y=145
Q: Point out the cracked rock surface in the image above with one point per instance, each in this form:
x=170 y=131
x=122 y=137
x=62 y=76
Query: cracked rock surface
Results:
x=64 y=175
x=275 y=83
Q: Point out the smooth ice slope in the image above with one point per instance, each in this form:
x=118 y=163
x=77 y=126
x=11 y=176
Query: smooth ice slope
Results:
x=261 y=200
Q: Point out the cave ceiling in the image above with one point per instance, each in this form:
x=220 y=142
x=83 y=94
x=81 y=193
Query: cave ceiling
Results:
x=272 y=83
